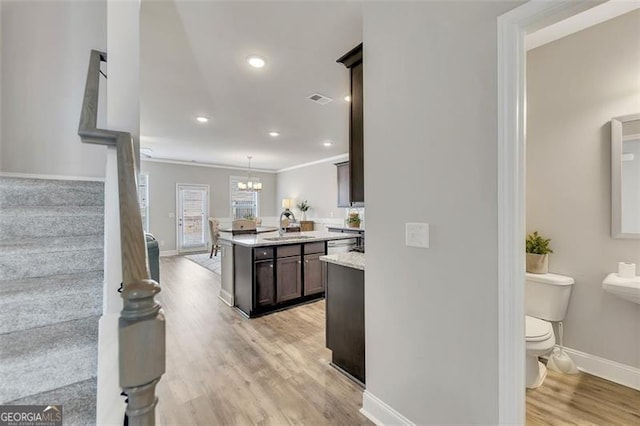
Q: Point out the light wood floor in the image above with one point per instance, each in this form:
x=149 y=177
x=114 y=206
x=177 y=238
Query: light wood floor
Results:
x=582 y=399
x=225 y=369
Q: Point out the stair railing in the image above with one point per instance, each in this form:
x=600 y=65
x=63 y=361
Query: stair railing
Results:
x=141 y=326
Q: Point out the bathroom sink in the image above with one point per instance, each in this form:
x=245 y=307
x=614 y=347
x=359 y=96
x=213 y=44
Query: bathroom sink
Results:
x=627 y=288
x=287 y=238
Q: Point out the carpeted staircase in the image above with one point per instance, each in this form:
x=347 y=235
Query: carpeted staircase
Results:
x=51 y=274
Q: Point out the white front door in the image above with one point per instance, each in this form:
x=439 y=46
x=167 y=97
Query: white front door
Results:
x=193 y=206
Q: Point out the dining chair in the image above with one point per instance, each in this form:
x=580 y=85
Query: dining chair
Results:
x=214 y=232
x=243 y=226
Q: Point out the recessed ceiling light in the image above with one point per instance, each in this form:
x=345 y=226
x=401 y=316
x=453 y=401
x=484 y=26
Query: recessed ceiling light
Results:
x=274 y=134
x=347 y=98
x=327 y=143
x=256 y=61
x=202 y=119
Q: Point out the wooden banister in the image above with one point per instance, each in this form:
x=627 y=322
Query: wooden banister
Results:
x=141 y=327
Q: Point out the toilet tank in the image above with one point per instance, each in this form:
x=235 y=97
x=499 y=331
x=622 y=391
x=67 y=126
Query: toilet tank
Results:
x=546 y=296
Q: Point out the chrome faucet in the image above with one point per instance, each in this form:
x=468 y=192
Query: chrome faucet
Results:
x=288 y=214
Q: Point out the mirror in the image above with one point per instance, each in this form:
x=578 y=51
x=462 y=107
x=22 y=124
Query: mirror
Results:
x=625 y=176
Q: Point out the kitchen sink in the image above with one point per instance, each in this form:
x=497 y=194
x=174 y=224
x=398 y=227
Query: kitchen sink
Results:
x=287 y=237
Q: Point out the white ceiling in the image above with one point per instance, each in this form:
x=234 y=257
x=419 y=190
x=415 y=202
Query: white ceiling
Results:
x=193 y=62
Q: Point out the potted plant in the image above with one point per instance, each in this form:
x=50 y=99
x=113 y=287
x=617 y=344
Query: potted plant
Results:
x=303 y=206
x=538 y=251
x=353 y=220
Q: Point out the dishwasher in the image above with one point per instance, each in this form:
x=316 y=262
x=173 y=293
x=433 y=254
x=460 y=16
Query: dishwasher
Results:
x=341 y=246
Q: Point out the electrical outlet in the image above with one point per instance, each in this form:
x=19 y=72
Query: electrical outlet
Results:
x=417 y=235
x=161 y=243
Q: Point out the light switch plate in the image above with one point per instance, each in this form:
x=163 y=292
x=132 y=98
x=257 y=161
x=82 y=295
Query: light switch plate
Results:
x=172 y=215
x=417 y=235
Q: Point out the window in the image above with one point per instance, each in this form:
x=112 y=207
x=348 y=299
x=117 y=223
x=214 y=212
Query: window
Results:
x=244 y=204
x=143 y=197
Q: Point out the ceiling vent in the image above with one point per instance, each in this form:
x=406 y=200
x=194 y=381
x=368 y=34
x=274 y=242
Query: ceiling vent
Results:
x=320 y=99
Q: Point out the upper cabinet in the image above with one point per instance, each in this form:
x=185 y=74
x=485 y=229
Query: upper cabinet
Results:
x=353 y=61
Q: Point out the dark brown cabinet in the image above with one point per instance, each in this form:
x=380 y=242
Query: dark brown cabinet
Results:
x=345 y=331
x=353 y=61
x=313 y=280
x=264 y=283
x=289 y=279
x=274 y=277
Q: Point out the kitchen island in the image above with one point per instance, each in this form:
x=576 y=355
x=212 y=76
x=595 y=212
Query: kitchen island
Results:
x=272 y=272
x=345 y=313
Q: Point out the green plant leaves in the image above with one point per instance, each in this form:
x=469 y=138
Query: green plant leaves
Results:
x=537 y=244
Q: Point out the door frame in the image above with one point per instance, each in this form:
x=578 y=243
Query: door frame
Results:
x=512 y=29
x=177 y=222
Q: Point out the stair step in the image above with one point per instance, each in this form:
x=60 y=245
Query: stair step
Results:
x=17 y=223
x=36 y=302
x=51 y=244
x=78 y=402
x=46 y=358
x=40 y=211
x=50 y=256
x=45 y=192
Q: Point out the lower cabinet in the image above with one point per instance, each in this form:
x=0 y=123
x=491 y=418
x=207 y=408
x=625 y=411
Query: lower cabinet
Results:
x=345 y=319
x=313 y=280
x=263 y=272
x=274 y=277
x=289 y=279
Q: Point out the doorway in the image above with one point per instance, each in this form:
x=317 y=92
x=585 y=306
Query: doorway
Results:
x=512 y=30
x=192 y=203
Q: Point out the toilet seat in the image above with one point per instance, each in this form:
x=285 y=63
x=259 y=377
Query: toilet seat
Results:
x=537 y=330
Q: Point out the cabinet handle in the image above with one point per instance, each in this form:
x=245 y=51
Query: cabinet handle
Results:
x=306 y=261
x=264 y=253
x=299 y=261
x=270 y=266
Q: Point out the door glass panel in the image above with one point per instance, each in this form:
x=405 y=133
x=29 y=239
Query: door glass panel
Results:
x=193 y=211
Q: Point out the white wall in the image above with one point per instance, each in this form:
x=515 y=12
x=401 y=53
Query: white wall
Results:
x=163 y=178
x=317 y=184
x=430 y=120
x=574 y=87
x=1 y=114
x=45 y=52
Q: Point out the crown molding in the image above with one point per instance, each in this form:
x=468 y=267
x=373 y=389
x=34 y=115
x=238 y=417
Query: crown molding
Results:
x=340 y=157
x=210 y=165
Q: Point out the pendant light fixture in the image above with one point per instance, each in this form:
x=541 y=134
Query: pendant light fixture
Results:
x=249 y=185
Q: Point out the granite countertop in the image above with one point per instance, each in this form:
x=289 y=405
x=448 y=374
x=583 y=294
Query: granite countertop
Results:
x=352 y=259
x=264 y=240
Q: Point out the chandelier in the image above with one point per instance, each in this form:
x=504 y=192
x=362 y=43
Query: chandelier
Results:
x=249 y=185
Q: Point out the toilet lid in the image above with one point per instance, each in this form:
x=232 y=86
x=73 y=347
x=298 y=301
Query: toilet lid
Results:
x=537 y=329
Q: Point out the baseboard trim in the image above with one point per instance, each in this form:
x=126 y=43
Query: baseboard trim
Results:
x=226 y=297
x=380 y=413
x=165 y=253
x=50 y=177
x=622 y=374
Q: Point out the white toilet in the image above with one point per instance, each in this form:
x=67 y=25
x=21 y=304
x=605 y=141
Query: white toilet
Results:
x=546 y=299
